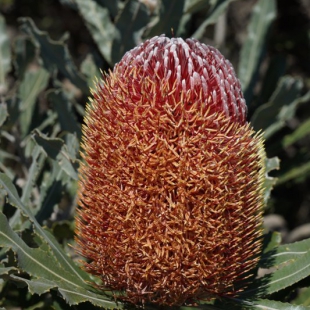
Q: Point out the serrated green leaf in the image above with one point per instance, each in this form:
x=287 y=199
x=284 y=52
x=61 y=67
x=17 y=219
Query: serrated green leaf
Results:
x=284 y=254
x=38 y=159
x=291 y=273
x=273 y=115
x=265 y=304
x=271 y=241
x=52 y=146
x=70 y=3
x=49 y=120
x=13 y=109
x=303 y=297
x=51 y=189
x=192 y=6
x=297 y=174
x=130 y=24
x=112 y=6
x=55 y=181
x=7 y=270
x=25 y=52
x=100 y=26
x=57 y=150
x=79 y=295
x=202 y=307
x=276 y=70
x=62 y=258
x=90 y=70
x=36 y=286
x=271 y=164
x=170 y=14
x=47 y=273
x=63 y=230
x=302 y=131
x=3 y=157
x=55 y=54
x=30 y=259
x=32 y=84
x=183 y=25
x=263 y=15
x=5 y=56
x=217 y=10
x=292 y=251
x=63 y=107
x=72 y=144
x=3 y=113
x=4 y=154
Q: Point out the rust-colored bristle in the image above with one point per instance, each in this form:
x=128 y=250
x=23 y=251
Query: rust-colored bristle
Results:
x=171 y=187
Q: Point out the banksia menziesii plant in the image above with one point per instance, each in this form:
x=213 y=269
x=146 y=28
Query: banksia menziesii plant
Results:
x=171 y=190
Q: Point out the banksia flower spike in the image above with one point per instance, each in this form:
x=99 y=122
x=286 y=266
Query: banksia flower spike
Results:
x=171 y=188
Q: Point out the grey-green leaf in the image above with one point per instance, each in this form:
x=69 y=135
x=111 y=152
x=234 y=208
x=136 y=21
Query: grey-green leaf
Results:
x=7 y=270
x=271 y=241
x=303 y=297
x=57 y=150
x=112 y=6
x=297 y=173
x=270 y=164
x=170 y=14
x=46 y=272
x=61 y=256
x=266 y=304
x=3 y=112
x=192 y=6
x=63 y=107
x=33 y=83
x=100 y=26
x=53 y=184
x=30 y=259
x=284 y=254
x=37 y=286
x=5 y=56
x=282 y=105
x=130 y=24
x=263 y=15
x=276 y=70
x=55 y=54
x=302 y=131
x=25 y=52
x=292 y=272
x=90 y=70
x=217 y=10
x=38 y=159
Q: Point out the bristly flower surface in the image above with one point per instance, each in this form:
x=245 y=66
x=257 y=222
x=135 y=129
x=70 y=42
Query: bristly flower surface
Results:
x=171 y=187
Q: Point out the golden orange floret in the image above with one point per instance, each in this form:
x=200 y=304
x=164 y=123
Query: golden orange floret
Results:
x=171 y=186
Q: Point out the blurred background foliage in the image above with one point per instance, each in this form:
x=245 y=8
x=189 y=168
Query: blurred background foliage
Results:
x=50 y=53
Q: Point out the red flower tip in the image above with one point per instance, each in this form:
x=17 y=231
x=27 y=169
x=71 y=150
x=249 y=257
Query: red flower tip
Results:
x=190 y=68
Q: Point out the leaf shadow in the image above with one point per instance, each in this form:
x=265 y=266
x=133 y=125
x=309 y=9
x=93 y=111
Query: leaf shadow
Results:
x=258 y=284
